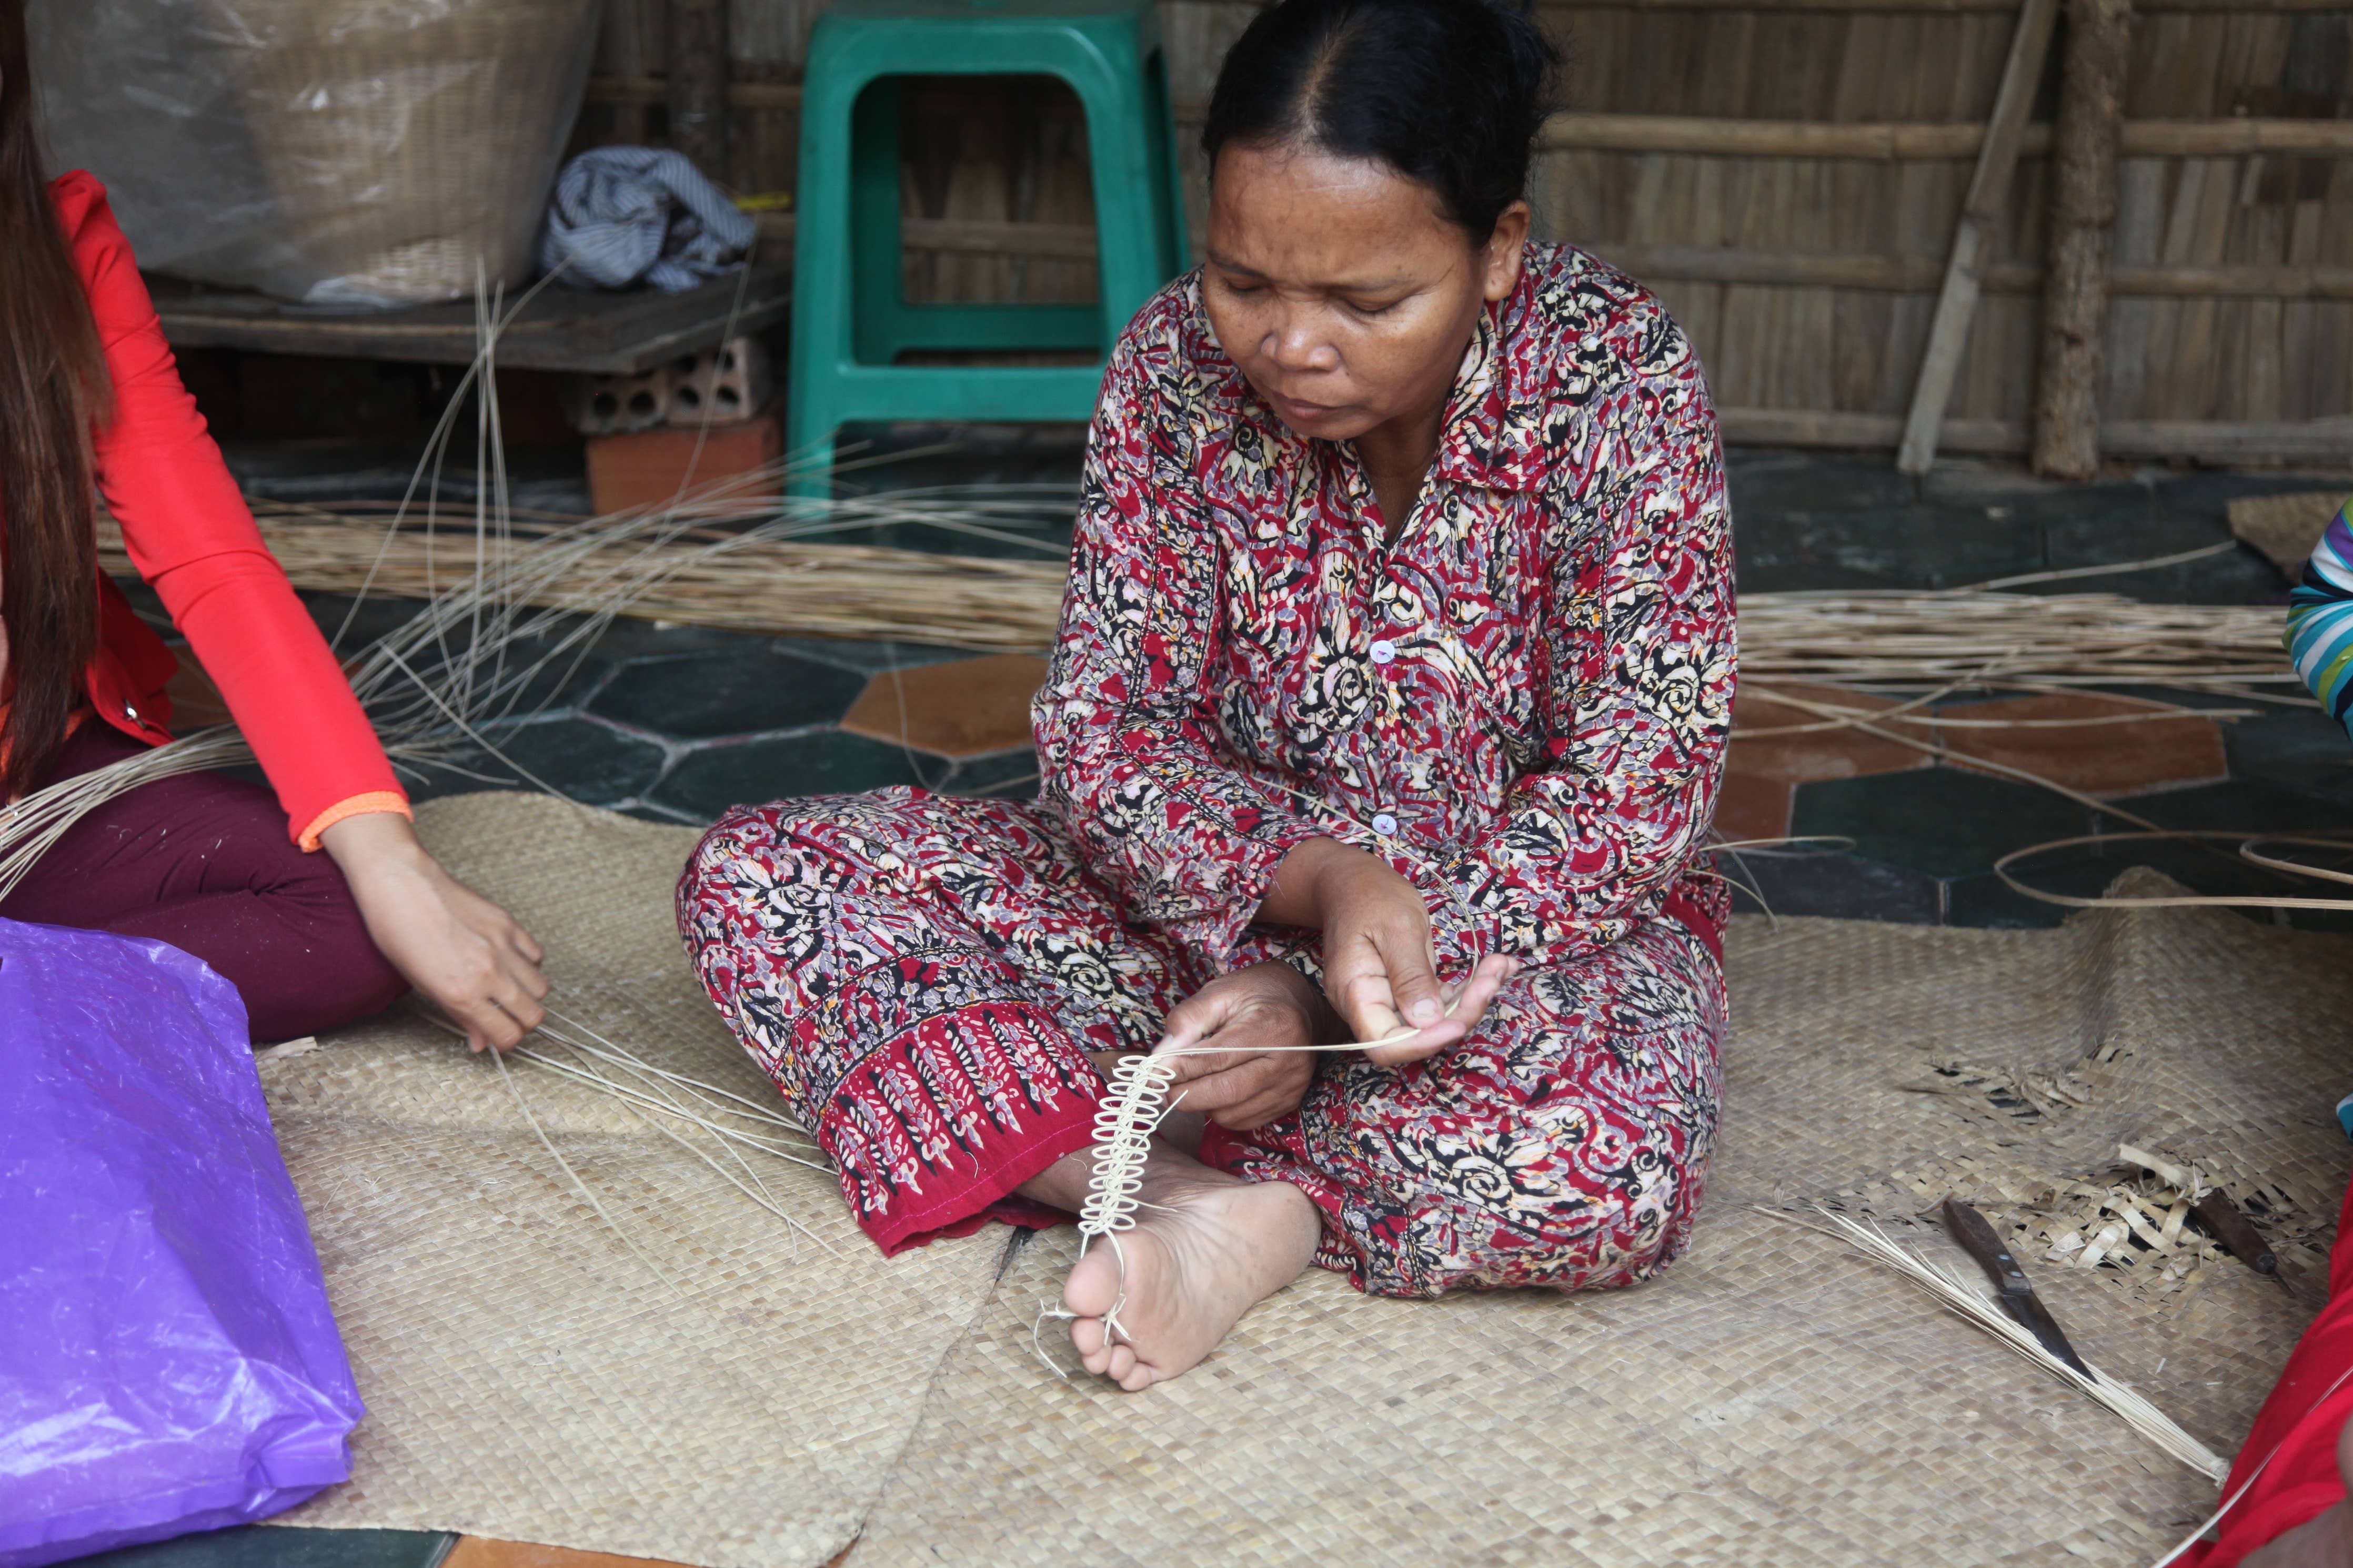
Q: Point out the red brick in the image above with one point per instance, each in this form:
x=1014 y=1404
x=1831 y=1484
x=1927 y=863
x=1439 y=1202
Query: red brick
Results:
x=648 y=468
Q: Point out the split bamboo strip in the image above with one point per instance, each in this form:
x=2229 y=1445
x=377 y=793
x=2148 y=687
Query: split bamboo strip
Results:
x=1973 y=237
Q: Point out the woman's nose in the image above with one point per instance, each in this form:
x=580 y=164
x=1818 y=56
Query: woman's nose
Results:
x=1296 y=344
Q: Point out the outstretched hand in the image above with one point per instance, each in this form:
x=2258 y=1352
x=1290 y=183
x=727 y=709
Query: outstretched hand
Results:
x=464 y=953
x=1252 y=1025
x=1379 y=970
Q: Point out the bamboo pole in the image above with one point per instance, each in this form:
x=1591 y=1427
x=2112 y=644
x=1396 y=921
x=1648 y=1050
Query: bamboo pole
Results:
x=2083 y=225
x=697 y=88
x=1956 y=303
x=1929 y=7
x=1925 y=141
x=2327 y=443
x=1923 y=275
x=1877 y=141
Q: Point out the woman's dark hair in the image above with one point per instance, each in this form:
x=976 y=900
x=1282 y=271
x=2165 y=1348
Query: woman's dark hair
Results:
x=1448 y=92
x=53 y=386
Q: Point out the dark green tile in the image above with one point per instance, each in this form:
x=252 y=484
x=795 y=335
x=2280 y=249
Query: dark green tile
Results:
x=2213 y=871
x=1906 y=547
x=628 y=638
x=867 y=658
x=1764 y=481
x=1845 y=887
x=701 y=697
x=591 y=762
x=1013 y=774
x=1985 y=899
x=2241 y=805
x=265 y=1546
x=368 y=619
x=2299 y=748
x=1941 y=821
x=707 y=780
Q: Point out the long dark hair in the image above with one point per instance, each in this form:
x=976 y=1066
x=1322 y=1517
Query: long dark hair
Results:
x=1449 y=93
x=53 y=387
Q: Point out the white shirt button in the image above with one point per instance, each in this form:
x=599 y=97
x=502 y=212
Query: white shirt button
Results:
x=1384 y=824
x=1382 y=650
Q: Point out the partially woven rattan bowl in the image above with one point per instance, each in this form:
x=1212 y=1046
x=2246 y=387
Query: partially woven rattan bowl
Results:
x=407 y=140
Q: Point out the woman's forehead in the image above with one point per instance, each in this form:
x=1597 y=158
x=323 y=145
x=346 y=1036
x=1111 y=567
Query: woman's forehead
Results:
x=1300 y=212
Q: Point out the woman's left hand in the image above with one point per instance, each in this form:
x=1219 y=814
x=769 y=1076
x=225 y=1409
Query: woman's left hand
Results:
x=1251 y=1024
x=462 y=950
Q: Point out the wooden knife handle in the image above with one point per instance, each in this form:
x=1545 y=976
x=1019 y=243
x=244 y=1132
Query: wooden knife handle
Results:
x=2235 y=1231
x=1977 y=1238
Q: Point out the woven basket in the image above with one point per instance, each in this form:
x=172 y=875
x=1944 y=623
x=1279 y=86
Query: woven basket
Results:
x=408 y=139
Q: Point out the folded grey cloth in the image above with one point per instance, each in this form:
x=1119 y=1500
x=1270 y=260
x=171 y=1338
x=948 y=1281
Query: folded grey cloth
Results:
x=622 y=213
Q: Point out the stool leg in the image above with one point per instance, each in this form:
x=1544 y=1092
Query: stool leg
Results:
x=1128 y=147
x=824 y=286
x=877 y=294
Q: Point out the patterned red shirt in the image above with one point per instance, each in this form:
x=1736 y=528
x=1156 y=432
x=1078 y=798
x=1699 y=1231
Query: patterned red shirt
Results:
x=1523 y=703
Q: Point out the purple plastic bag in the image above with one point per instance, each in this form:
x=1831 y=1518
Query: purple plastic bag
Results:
x=167 y=1359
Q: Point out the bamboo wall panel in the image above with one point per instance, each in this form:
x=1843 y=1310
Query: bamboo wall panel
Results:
x=987 y=157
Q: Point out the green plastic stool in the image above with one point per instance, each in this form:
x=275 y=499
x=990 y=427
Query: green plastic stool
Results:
x=850 y=318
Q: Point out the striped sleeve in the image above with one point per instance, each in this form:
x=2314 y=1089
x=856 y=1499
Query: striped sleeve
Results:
x=2320 y=620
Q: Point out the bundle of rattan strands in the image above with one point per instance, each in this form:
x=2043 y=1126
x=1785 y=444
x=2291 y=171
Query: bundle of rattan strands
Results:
x=732 y=555
x=1975 y=1306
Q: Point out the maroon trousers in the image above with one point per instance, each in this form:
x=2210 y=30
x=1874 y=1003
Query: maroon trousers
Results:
x=202 y=863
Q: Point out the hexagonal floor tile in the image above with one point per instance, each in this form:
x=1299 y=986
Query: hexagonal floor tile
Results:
x=741 y=691
x=1942 y=821
x=594 y=764
x=965 y=708
x=708 y=780
x=479 y=1552
x=2299 y=748
x=2040 y=735
x=1777 y=746
x=1843 y=886
x=265 y=1546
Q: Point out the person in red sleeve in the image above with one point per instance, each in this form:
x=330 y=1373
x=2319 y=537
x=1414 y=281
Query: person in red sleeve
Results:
x=91 y=404
x=2286 y=1489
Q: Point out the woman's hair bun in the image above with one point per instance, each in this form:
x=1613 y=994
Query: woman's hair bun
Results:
x=1448 y=92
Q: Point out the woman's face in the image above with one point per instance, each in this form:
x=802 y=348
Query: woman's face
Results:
x=1342 y=290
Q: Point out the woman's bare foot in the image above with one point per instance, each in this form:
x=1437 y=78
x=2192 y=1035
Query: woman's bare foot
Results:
x=1206 y=1248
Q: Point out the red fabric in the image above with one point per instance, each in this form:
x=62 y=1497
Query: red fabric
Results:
x=923 y=976
x=191 y=536
x=191 y=861
x=1521 y=700
x=2299 y=1436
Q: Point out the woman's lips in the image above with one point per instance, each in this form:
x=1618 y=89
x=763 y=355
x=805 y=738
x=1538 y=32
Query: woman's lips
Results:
x=1303 y=412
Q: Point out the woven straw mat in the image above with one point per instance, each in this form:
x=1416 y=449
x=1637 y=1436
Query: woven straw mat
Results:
x=718 y=1389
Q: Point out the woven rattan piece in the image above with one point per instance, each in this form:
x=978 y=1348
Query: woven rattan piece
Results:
x=1772 y=1398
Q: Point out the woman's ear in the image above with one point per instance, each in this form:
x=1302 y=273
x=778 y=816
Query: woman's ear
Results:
x=1500 y=257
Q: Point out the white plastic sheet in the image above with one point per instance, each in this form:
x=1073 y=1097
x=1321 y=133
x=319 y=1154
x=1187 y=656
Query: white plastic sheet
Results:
x=341 y=153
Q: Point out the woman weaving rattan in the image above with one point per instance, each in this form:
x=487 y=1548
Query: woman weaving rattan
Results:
x=1391 y=691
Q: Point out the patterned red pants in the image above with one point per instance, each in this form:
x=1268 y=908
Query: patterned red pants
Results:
x=924 y=975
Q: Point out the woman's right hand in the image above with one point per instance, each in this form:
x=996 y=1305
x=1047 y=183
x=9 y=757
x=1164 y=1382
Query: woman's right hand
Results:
x=1379 y=970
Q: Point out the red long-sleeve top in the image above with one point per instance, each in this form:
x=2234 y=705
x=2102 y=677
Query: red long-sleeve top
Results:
x=192 y=537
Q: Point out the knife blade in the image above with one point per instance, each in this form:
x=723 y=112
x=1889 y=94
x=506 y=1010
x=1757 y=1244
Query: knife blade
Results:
x=2013 y=1289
